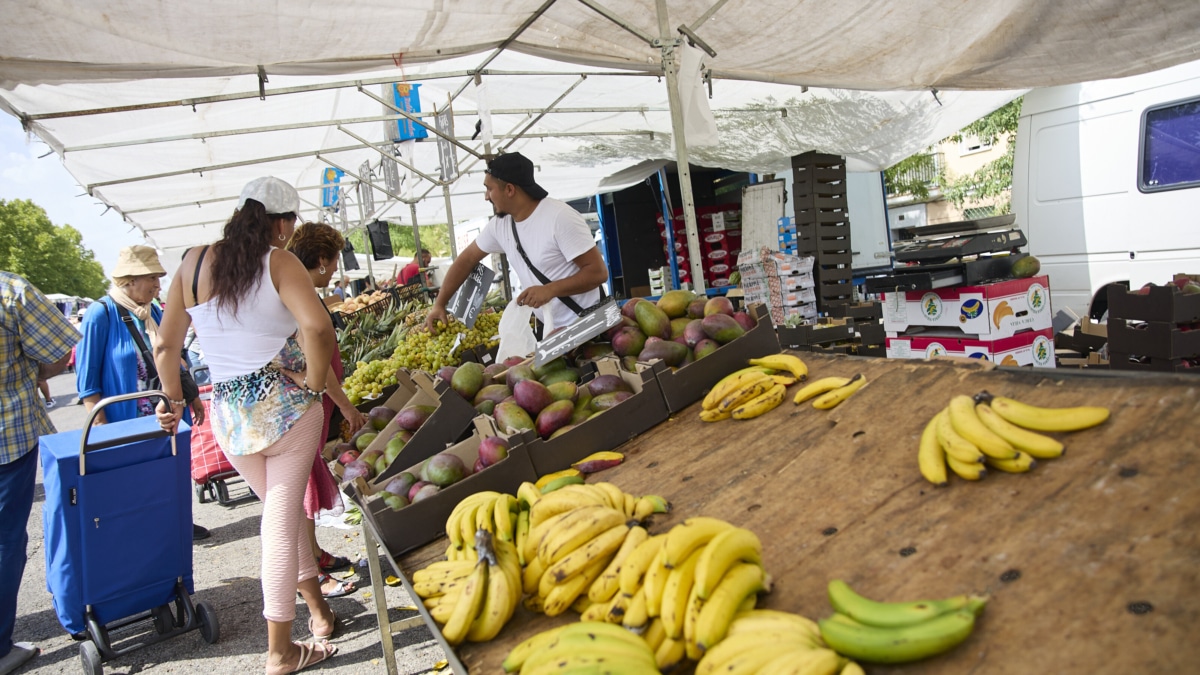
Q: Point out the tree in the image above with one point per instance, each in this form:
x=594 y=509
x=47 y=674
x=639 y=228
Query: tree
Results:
x=51 y=257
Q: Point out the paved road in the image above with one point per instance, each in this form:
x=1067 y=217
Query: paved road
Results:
x=225 y=569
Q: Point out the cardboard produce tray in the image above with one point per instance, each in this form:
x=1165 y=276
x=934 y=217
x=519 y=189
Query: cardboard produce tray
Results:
x=1161 y=303
x=1156 y=339
x=1089 y=559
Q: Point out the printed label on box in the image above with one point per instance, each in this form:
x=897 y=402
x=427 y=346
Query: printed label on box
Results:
x=990 y=311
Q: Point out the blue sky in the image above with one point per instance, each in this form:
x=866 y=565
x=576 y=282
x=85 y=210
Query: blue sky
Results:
x=46 y=182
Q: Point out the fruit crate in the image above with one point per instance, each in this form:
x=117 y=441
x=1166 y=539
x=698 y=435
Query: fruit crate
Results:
x=986 y=311
x=1146 y=364
x=1085 y=338
x=1154 y=339
x=420 y=523
x=1159 y=303
x=1031 y=348
x=688 y=384
x=870 y=332
x=862 y=310
x=823 y=331
x=606 y=430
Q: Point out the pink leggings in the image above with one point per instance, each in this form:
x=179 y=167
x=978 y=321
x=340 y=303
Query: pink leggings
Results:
x=279 y=475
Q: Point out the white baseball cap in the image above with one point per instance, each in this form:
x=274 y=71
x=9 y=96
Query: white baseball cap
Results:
x=274 y=194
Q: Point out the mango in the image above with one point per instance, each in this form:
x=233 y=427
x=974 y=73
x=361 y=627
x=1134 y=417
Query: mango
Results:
x=718 y=305
x=564 y=375
x=581 y=415
x=594 y=350
x=609 y=400
x=363 y=440
x=606 y=384
x=553 y=417
x=486 y=407
x=722 y=327
x=626 y=322
x=562 y=430
x=627 y=309
x=467 y=380
x=412 y=491
x=412 y=417
x=1026 y=267
x=512 y=418
x=696 y=308
x=425 y=492
x=400 y=485
x=446 y=372
x=444 y=469
x=493 y=370
x=381 y=464
x=393 y=501
x=678 y=326
x=493 y=392
x=512 y=361
x=548 y=367
x=532 y=396
x=517 y=373
x=358 y=469
x=393 y=448
x=652 y=320
x=705 y=347
x=629 y=342
x=492 y=449
x=379 y=417
x=563 y=391
x=675 y=303
x=694 y=333
x=744 y=320
x=672 y=353
x=629 y=363
x=690 y=358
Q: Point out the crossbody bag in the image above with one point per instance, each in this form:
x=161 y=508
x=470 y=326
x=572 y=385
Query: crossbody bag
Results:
x=564 y=299
x=186 y=382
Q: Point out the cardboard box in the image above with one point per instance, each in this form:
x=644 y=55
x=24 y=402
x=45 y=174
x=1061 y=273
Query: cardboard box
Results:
x=796 y=282
x=862 y=310
x=823 y=331
x=756 y=265
x=418 y=524
x=1156 y=339
x=803 y=312
x=1160 y=303
x=1092 y=360
x=988 y=312
x=1087 y=337
x=688 y=384
x=608 y=429
x=1145 y=364
x=1032 y=348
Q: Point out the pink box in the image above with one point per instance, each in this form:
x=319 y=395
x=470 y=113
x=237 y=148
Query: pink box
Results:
x=1031 y=348
x=989 y=311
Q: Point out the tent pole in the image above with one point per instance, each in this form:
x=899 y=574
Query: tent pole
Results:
x=668 y=44
x=449 y=222
x=416 y=238
x=362 y=222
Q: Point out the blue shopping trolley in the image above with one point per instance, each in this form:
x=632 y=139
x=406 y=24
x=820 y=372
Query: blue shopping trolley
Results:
x=118 y=535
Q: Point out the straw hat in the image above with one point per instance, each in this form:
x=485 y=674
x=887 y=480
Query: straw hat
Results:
x=135 y=261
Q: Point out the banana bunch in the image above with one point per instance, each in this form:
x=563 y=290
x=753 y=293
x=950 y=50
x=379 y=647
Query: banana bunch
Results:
x=768 y=641
x=896 y=632
x=492 y=512
x=829 y=392
x=566 y=553
x=750 y=392
x=582 y=647
x=472 y=600
x=998 y=432
x=680 y=589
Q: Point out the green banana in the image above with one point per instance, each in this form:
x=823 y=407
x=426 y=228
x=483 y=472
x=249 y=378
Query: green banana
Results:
x=889 y=614
x=897 y=645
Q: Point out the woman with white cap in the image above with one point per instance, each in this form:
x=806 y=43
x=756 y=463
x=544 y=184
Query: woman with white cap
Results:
x=254 y=309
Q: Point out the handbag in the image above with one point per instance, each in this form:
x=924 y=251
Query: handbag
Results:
x=187 y=383
x=566 y=300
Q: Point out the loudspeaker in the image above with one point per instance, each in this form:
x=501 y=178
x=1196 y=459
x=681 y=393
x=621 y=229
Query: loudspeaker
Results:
x=381 y=239
x=349 y=262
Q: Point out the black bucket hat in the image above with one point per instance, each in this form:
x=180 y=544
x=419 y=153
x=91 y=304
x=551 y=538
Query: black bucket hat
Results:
x=516 y=168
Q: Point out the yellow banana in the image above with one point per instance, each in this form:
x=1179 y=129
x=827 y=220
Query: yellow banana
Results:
x=1029 y=442
x=669 y=654
x=588 y=523
x=528 y=494
x=442 y=611
x=559 y=599
x=601 y=547
x=852 y=668
x=582 y=644
x=432 y=589
x=955 y=446
x=931 y=458
x=1020 y=464
x=560 y=502
x=787 y=362
x=676 y=593
x=833 y=398
x=729 y=383
x=966 y=470
x=804 y=662
x=759 y=405
x=751 y=389
x=636 y=616
x=742 y=580
x=531 y=575
x=500 y=600
x=484 y=516
x=630 y=506
x=690 y=535
x=654 y=634
x=467 y=607
x=503 y=515
x=785 y=380
x=734 y=545
x=1048 y=419
x=969 y=426
x=516 y=658
x=618 y=606
x=442 y=569
x=690 y=616
x=818 y=387
x=538 y=532
x=597 y=611
x=581 y=604
x=745 y=654
x=614 y=494
x=635 y=566
x=522 y=534
x=606 y=584
x=774 y=621
x=715 y=415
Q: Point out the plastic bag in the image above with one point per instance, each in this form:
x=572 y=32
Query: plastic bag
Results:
x=516 y=335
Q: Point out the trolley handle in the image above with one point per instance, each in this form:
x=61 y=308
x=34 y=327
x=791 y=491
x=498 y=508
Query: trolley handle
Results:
x=87 y=427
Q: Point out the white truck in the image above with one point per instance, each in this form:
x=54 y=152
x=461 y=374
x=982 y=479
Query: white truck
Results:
x=1106 y=183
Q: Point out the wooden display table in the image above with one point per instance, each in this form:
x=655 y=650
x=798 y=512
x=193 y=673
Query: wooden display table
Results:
x=1091 y=559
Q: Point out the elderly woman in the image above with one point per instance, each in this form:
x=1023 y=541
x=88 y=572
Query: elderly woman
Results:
x=109 y=361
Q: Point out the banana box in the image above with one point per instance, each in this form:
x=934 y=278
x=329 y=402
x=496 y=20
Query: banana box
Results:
x=419 y=523
x=1031 y=348
x=988 y=311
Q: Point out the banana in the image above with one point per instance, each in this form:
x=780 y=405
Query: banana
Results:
x=528 y=494
x=460 y=524
x=955 y=445
x=1020 y=464
x=606 y=584
x=774 y=621
x=965 y=470
x=432 y=589
x=791 y=364
x=581 y=604
x=441 y=611
x=818 y=387
x=969 y=426
x=746 y=654
x=597 y=611
x=690 y=617
x=441 y=570
x=653 y=584
x=669 y=654
x=560 y=597
x=468 y=606
x=833 y=398
x=1046 y=419
x=599 y=548
x=544 y=481
x=647 y=505
x=734 y=545
x=638 y=562
x=845 y=601
x=729 y=383
x=582 y=644
x=689 y=535
x=768 y=401
x=715 y=415
x=561 y=501
x=785 y=380
x=522 y=534
x=1029 y=442
x=466 y=524
x=614 y=494
x=805 y=662
x=751 y=389
x=635 y=617
x=580 y=527
x=499 y=603
x=852 y=668
x=897 y=645
x=532 y=574
x=742 y=580
x=931 y=458
x=676 y=593
x=502 y=514
x=537 y=533
x=654 y=634
x=617 y=607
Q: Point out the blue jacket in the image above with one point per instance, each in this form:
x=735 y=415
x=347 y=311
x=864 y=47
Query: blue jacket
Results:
x=107 y=357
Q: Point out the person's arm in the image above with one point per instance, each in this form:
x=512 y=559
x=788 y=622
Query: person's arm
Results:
x=354 y=418
x=46 y=335
x=90 y=356
x=171 y=332
x=591 y=274
x=466 y=261
x=49 y=370
x=318 y=339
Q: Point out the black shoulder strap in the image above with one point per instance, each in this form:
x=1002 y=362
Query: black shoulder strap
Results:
x=196 y=276
x=151 y=371
x=565 y=299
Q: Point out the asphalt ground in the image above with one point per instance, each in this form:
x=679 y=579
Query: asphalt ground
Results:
x=225 y=572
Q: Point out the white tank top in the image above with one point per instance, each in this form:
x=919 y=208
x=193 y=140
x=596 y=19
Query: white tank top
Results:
x=242 y=344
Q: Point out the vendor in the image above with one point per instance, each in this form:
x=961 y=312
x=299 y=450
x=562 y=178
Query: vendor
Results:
x=413 y=269
x=548 y=244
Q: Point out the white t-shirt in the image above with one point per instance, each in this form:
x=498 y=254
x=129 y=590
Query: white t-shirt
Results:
x=553 y=236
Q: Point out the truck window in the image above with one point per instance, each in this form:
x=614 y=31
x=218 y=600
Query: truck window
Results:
x=1170 y=152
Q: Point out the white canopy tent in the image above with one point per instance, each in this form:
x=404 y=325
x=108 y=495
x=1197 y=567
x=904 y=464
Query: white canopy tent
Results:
x=164 y=110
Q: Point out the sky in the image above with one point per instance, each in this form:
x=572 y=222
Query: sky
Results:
x=24 y=174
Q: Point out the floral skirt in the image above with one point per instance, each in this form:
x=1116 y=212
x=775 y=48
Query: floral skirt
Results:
x=252 y=411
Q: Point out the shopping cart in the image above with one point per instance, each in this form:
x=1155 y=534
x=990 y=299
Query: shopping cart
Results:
x=118 y=535
x=211 y=470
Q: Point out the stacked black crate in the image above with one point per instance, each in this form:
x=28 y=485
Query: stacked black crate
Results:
x=823 y=224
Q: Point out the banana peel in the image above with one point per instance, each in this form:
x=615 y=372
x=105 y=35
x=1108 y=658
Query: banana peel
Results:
x=599 y=461
x=552 y=481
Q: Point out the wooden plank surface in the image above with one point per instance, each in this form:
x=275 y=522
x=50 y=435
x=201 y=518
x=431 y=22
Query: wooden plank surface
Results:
x=1064 y=551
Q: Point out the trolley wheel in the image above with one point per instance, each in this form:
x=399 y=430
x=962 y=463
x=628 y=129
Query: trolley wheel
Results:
x=200 y=494
x=164 y=620
x=210 y=629
x=90 y=656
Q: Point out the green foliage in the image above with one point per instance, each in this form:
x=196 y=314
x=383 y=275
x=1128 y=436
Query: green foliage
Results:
x=912 y=175
x=51 y=257
x=436 y=238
